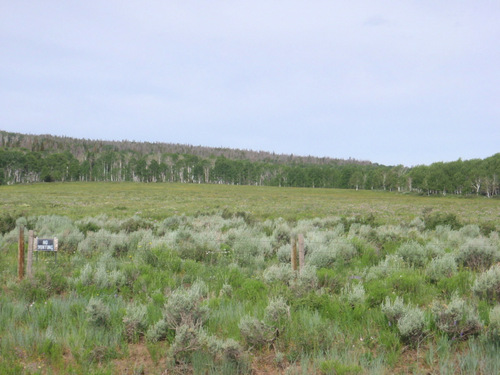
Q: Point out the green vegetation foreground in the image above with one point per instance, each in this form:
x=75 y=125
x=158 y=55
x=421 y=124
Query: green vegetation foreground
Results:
x=197 y=279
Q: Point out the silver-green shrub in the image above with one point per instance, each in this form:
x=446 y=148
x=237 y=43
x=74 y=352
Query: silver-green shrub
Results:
x=101 y=276
x=409 y=320
x=86 y=275
x=487 y=284
x=109 y=278
x=185 y=243
x=386 y=233
x=477 y=253
x=434 y=249
x=277 y=313
x=282 y=272
x=306 y=280
x=361 y=230
x=470 y=231
x=354 y=294
x=493 y=332
x=231 y=350
x=249 y=247
x=458 y=318
x=393 y=310
x=284 y=254
x=391 y=264
x=184 y=307
x=187 y=340
x=337 y=250
x=322 y=256
x=411 y=325
x=413 y=253
x=258 y=333
x=282 y=234
x=439 y=268
x=226 y=290
x=158 y=331
x=255 y=332
x=135 y=321
x=98 y=312
x=442 y=232
x=417 y=223
x=170 y=224
x=220 y=350
x=95 y=242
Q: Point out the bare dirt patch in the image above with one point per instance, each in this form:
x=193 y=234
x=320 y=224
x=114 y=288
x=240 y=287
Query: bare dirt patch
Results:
x=139 y=362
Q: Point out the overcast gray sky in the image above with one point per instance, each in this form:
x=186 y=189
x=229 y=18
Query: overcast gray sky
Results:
x=393 y=82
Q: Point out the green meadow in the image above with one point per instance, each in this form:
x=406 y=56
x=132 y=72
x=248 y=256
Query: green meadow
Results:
x=158 y=201
x=198 y=279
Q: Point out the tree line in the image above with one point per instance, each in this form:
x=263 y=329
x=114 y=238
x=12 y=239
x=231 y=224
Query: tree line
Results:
x=30 y=159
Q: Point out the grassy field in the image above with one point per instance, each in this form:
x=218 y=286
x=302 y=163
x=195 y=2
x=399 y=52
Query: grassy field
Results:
x=197 y=279
x=157 y=201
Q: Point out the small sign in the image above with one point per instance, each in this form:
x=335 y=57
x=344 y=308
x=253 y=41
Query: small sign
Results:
x=45 y=244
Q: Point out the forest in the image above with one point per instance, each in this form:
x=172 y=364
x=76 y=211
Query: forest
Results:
x=46 y=158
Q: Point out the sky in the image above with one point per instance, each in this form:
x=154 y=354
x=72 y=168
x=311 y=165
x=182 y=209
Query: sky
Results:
x=391 y=82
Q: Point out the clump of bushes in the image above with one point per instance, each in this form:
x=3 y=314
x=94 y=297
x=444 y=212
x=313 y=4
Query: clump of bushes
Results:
x=98 y=312
x=354 y=294
x=284 y=254
x=458 y=319
x=282 y=273
x=337 y=251
x=493 y=332
x=412 y=253
x=184 y=315
x=189 y=340
x=391 y=264
x=477 y=253
x=470 y=231
x=393 y=310
x=281 y=234
x=249 y=248
x=409 y=320
x=488 y=284
x=184 y=307
x=258 y=333
x=101 y=276
x=135 y=321
x=411 y=325
x=255 y=332
x=442 y=267
x=158 y=331
x=299 y=281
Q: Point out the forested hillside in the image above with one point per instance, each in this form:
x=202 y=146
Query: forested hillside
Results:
x=45 y=158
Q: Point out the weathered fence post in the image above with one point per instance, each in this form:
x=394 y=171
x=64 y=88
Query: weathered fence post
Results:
x=20 y=255
x=29 y=263
x=301 y=252
x=294 y=254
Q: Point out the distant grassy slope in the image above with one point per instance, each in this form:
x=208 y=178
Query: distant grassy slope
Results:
x=157 y=201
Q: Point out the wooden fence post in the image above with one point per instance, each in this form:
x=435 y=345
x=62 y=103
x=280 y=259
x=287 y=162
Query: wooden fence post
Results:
x=294 y=254
x=29 y=263
x=302 y=255
x=20 y=255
